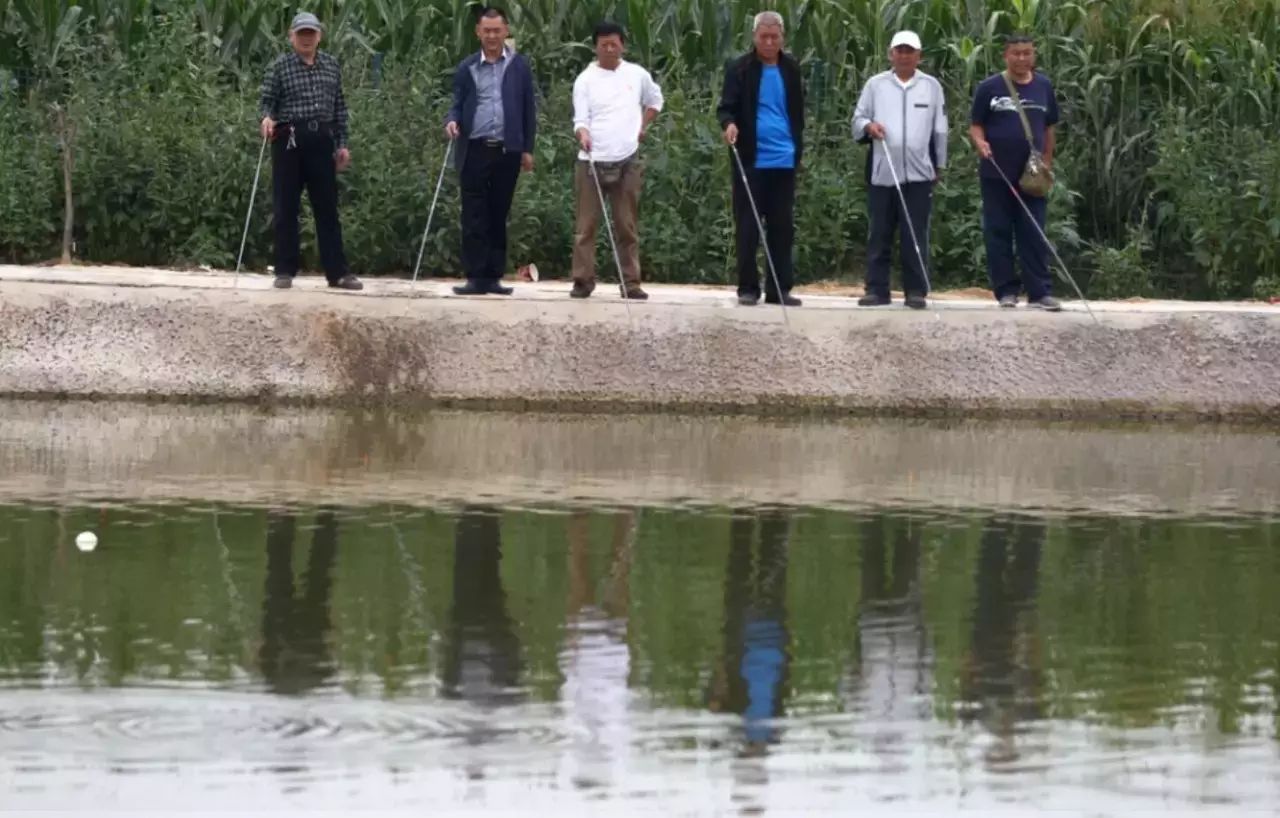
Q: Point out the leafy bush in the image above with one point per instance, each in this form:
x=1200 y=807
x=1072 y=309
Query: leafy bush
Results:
x=1124 y=271
x=1217 y=205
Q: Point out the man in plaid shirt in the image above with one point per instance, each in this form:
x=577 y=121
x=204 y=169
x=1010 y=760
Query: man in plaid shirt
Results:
x=305 y=117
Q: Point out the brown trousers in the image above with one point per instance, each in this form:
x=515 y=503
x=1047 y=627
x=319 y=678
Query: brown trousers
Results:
x=621 y=187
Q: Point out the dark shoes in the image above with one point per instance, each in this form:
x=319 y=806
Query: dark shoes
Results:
x=475 y=286
x=347 y=282
x=1047 y=303
x=750 y=300
x=584 y=289
x=915 y=301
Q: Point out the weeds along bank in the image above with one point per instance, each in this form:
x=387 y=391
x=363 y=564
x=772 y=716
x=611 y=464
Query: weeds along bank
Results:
x=146 y=111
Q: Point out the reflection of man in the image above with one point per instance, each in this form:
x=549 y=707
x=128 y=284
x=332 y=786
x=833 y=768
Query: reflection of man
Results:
x=895 y=657
x=483 y=660
x=753 y=677
x=1002 y=683
x=595 y=658
x=294 y=654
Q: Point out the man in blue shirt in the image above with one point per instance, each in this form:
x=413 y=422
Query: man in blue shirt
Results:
x=492 y=122
x=1000 y=139
x=761 y=112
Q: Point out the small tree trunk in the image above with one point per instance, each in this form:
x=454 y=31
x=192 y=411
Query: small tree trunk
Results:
x=66 y=136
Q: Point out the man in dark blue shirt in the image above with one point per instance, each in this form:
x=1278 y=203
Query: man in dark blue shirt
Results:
x=761 y=111
x=999 y=137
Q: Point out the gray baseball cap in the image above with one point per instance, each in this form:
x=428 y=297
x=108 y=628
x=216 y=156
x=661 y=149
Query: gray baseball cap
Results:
x=305 y=19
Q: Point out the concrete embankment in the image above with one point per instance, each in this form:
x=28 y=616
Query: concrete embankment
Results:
x=165 y=335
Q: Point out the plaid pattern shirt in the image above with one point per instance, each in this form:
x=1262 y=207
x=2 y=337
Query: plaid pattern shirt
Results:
x=296 y=92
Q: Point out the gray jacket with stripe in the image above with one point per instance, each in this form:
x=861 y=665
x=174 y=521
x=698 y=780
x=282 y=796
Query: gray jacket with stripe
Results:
x=915 y=124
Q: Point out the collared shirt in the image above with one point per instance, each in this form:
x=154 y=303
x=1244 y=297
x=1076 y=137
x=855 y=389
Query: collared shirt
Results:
x=489 y=120
x=296 y=92
x=611 y=106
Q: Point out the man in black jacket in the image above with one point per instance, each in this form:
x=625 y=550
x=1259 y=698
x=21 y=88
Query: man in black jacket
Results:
x=492 y=122
x=762 y=113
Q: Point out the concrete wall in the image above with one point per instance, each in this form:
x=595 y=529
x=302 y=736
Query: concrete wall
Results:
x=312 y=346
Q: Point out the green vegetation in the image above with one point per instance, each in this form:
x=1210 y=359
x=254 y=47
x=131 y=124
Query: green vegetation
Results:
x=130 y=123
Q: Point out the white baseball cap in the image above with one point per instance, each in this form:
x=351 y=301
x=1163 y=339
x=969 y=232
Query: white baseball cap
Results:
x=908 y=38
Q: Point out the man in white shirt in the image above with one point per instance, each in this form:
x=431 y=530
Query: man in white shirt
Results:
x=614 y=101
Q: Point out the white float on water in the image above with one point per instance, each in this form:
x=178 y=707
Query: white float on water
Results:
x=86 y=541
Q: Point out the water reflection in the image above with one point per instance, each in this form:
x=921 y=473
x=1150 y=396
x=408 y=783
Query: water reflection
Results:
x=752 y=675
x=896 y=661
x=294 y=655
x=483 y=662
x=595 y=659
x=617 y=654
x=1002 y=676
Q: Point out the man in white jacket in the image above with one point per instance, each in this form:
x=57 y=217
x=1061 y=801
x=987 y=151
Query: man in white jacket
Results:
x=614 y=101
x=902 y=113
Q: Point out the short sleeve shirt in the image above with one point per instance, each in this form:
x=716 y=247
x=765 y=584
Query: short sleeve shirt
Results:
x=996 y=111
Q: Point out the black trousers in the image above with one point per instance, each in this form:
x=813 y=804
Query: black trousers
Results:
x=489 y=176
x=775 y=195
x=1004 y=223
x=885 y=210
x=308 y=164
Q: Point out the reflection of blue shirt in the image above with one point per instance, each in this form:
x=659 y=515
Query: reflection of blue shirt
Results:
x=775 y=148
x=763 y=657
x=488 y=122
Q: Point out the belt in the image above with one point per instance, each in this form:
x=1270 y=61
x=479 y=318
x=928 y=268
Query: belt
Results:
x=610 y=166
x=489 y=143
x=313 y=125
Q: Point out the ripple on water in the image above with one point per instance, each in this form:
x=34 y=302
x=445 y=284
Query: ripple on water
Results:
x=563 y=655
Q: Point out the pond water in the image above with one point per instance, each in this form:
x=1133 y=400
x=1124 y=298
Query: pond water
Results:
x=618 y=614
